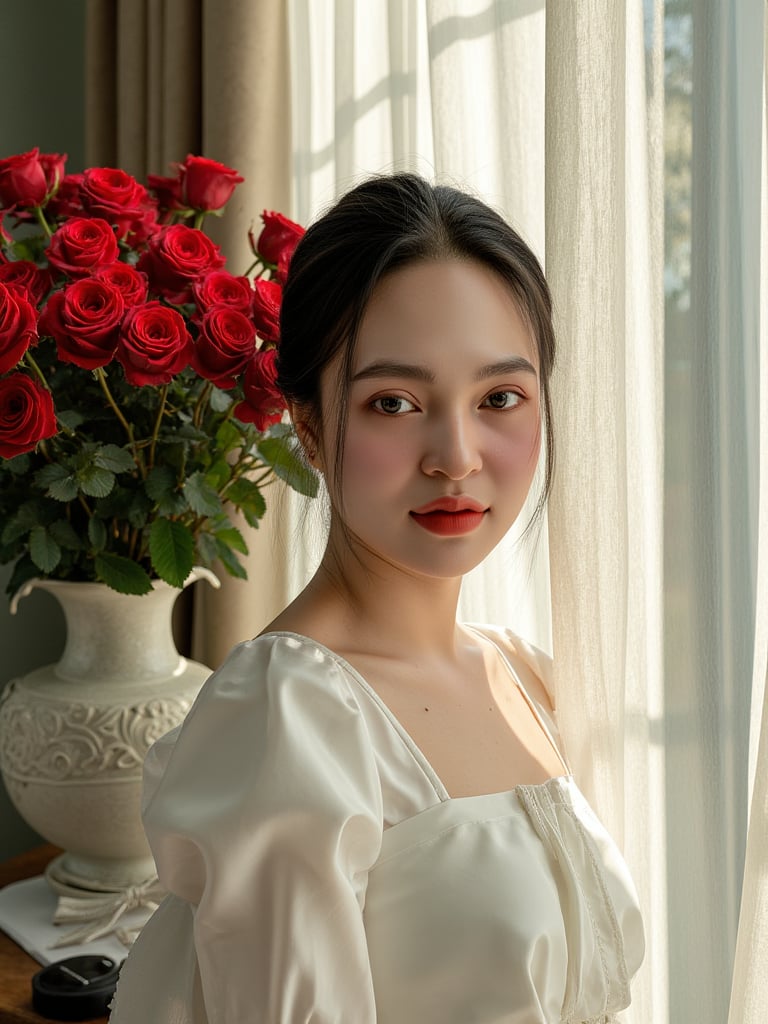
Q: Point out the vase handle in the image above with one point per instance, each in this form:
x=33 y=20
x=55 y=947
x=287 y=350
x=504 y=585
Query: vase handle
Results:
x=24 y=591
x=198 y=572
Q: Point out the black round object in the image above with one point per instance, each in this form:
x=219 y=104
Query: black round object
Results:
x=78 y=988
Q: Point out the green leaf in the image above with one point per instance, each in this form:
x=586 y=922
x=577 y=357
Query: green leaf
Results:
x=201 y=496
x=219 y=474
x=220 y=401
x=59 y=481
x=186 y=432
x=138 y=510
x=228 y=437
x=64 y=533
x=50 y=474
x=282 y=430
x=231 y=562
x=27 y=515
x=95 y=481
x=18 y=465
x=14 y=529
x=232 y=537
x=207 y=551
x=160 y=482
x=172 y=551
x=174 y=505
x=26 y=249
x=122 y=574
x=97 y=533
x=118 y=460
x=70 y=418
x=281 y=453
x=43 y=549
x=247 y=496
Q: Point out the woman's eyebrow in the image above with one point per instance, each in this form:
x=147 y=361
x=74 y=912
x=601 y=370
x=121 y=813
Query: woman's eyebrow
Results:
x=412 y=371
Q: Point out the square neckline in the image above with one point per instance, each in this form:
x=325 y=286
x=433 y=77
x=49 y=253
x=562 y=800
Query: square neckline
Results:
x=416 y=752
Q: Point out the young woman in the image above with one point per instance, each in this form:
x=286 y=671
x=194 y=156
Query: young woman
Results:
x=367 y=816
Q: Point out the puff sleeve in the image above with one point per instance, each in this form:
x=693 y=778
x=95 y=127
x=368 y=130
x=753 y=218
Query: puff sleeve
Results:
x=264 y=816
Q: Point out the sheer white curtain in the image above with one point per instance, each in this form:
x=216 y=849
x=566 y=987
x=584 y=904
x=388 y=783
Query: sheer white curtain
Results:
x=453 y=89
x=605 y=515
x=658 y=526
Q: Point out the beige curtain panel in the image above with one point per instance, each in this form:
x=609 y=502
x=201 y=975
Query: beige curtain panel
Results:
x=165 y=78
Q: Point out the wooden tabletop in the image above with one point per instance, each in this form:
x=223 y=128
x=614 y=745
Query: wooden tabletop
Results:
x=16 y=966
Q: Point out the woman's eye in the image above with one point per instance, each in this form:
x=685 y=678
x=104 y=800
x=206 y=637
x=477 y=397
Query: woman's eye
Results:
x=503 y=400
x=391 y=405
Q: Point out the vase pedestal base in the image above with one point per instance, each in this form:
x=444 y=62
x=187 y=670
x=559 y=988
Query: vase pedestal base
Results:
x=72 y=872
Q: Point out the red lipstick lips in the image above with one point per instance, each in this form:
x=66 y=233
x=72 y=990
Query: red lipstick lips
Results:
x=450 y=516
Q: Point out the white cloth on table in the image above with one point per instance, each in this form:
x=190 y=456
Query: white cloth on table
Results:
x=319 y=872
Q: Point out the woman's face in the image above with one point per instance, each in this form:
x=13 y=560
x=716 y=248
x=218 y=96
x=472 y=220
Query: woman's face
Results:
x=443 y=429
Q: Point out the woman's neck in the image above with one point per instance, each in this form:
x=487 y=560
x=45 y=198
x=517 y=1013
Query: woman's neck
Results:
x=358 y=604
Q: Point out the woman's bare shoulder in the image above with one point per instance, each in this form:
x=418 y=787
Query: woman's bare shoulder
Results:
x=533 y=665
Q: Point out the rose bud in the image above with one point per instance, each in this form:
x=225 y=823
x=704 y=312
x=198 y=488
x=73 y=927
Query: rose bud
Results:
x=167 y=191
x=264 y=402
x=82 y=245
x=116 y=197
x=220 y=288
x=175 y=259
x=26 y=414
x=22 y=180
x=226 y=343
x=267 y=296
x=84 y=319
x=154 y=344
x=207 y=184
x=278 y=236
x=53 y=168
x=18 y=327
x=66 y=201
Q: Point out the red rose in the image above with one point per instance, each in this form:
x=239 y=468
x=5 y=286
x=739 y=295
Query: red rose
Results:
x=116 y=197
x=283 y=263
x=53 y=168
x=167 y=192
x=154 y=344
x=18 y=327
x=226 y=342
x=22 y=180
x=27 y=278
x=81 y=245
x=264 y=402
x=26 y=414
x=176 y=258
x=131 y=283
x=267 y=296
x=66 y=201
x=207 y=184
x=85 y=321
x=279 y=236
x=220 y=288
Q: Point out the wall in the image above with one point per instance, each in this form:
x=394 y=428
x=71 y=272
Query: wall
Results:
x=41 y=104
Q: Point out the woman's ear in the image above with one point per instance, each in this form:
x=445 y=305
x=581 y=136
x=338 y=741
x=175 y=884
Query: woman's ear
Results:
x=306 y=435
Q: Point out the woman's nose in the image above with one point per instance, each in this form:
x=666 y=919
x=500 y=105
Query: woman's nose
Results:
x=452 y=449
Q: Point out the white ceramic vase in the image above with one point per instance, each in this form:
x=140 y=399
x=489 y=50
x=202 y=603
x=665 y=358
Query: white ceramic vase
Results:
x=73 y=735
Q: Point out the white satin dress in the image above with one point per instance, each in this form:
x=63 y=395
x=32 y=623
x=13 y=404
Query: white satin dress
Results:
x=319 y=873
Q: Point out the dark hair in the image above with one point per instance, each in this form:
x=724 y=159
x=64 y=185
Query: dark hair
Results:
x=383 y=224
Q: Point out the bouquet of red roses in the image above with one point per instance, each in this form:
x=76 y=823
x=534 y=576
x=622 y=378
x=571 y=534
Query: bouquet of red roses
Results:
x=137 y=374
